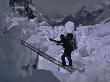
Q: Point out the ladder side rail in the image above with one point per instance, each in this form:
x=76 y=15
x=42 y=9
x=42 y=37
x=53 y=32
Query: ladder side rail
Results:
x=34 y=48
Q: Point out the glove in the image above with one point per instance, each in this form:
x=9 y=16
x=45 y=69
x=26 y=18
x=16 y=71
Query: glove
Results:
x=50 y=39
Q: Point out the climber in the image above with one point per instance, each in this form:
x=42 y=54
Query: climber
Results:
x=67 y=44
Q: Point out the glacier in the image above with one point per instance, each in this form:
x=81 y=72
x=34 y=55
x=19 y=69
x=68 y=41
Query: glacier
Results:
x=92 y=53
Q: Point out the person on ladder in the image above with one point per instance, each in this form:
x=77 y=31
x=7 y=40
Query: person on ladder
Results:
x=67 y=43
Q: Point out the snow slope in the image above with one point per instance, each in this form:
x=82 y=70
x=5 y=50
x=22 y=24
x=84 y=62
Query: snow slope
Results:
x=95 y=42
x=93 y=52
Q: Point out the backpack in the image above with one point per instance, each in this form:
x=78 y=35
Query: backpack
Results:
x=71 y=41
x=74 y=43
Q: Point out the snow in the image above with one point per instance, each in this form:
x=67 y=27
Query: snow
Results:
x=14 y=21
x=92 y=53
x=38 y=76
x=40 y=39
x=13 y=54
x=69 y=27
x=94 y=39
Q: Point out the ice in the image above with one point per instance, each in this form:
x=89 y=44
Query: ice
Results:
x=93 y=50
x=92 y=53
x=94 y=39
x=89 y=40
x=14 y=21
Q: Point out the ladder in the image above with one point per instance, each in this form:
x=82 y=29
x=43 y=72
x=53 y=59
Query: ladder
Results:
x=46 y=56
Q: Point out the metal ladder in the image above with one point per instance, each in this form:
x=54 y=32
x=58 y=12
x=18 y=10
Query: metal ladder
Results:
x=46 y=56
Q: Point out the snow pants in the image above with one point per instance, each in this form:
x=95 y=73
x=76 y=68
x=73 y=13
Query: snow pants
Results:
x=67 y=53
